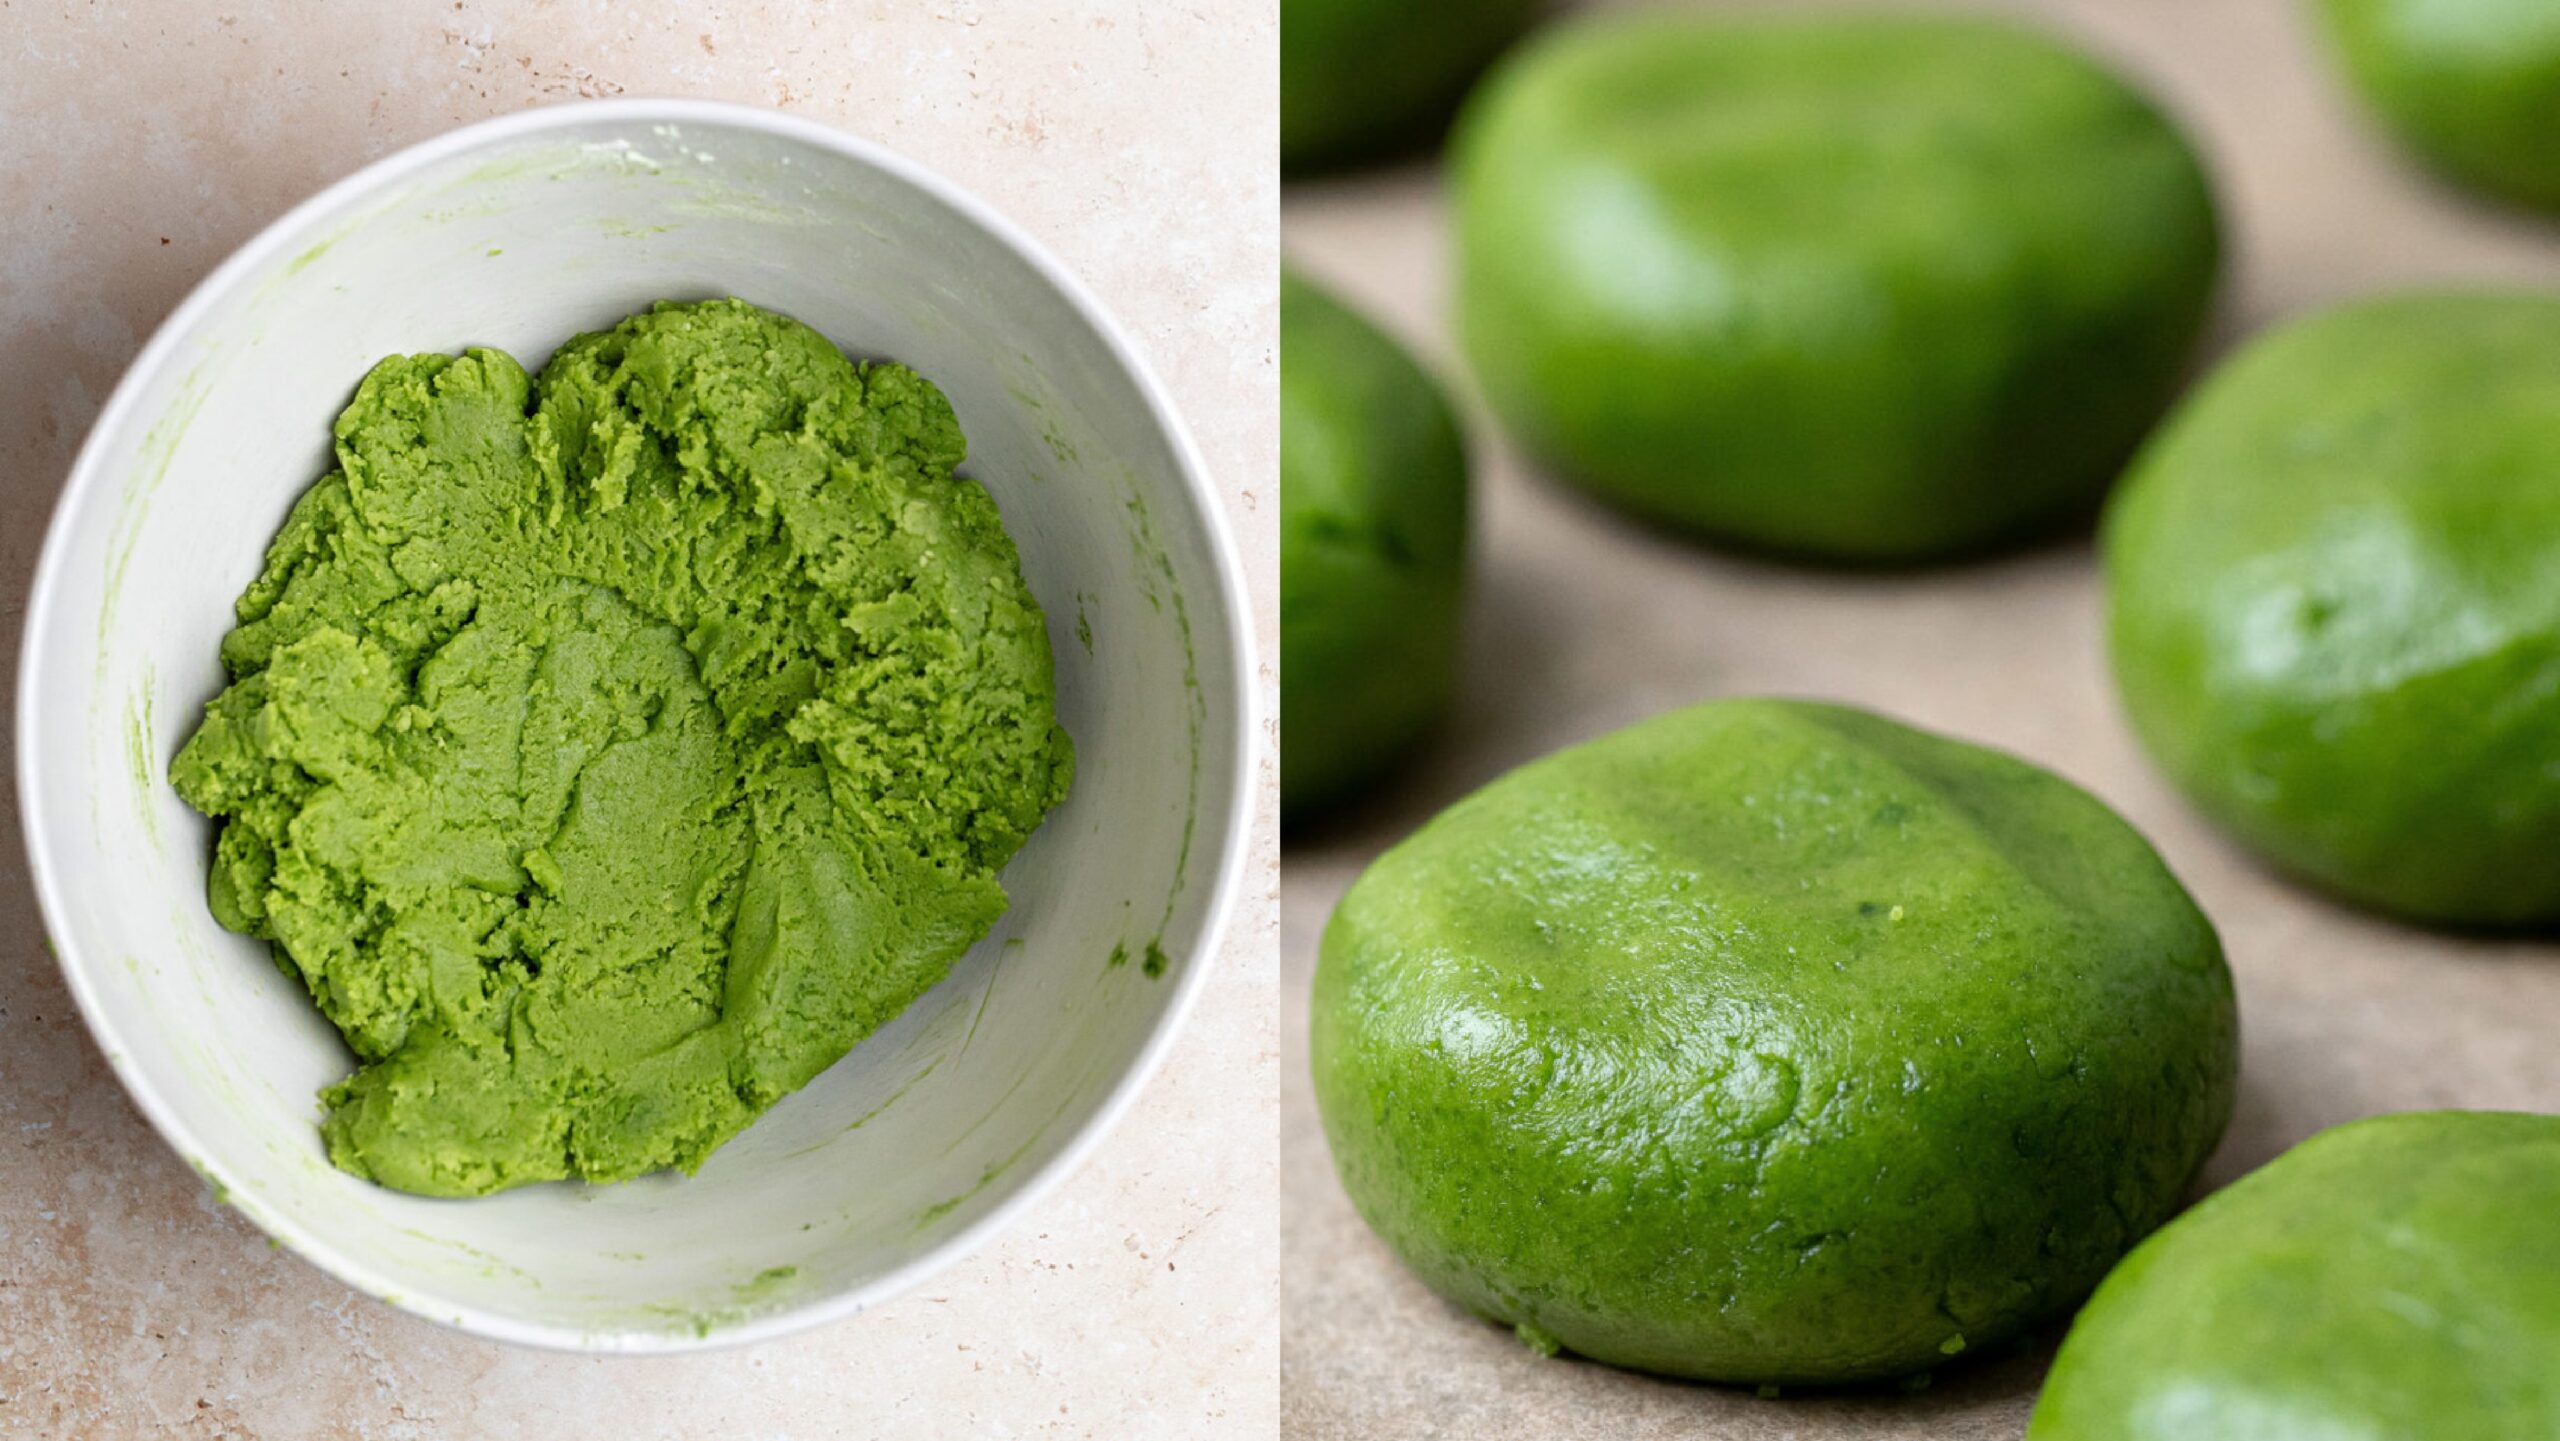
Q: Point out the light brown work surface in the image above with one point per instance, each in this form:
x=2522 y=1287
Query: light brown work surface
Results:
x=140 y=142
x=1583 y=623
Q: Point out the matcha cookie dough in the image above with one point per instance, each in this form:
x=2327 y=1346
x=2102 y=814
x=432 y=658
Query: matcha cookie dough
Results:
x=1857 y=287
x=2334 y=586
x=2472 y=86
x=2396 y=1277
x=1770 y=1042
x=1358 y=77
x=1373 y=533
x=609 y=751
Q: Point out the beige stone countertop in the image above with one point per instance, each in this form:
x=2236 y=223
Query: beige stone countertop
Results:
x=1582 y=623
x=139 y=144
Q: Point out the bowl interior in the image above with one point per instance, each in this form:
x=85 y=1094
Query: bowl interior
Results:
x=518 y=236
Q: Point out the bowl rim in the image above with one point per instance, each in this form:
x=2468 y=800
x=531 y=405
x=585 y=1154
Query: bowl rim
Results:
x=87 y=477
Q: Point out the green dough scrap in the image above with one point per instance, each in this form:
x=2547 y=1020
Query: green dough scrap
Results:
x=609 y=751
x=1770 y=1042
x=2396 y=1277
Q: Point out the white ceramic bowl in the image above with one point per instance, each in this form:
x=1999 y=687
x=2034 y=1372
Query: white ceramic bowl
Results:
x=519 y=233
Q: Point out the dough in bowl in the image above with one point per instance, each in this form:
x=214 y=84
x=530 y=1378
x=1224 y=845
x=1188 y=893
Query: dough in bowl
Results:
x=608 y=750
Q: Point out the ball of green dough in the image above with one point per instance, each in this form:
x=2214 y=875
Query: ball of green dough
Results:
x=1358 y=77
x=1770 y=1042
x=2394 y=1278
x=2334 y=584
x=1373 y=531
x=2473 y=86
x=1861 y=287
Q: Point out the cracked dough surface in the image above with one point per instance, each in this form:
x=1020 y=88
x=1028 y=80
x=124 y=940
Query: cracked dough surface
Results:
x=609 y=751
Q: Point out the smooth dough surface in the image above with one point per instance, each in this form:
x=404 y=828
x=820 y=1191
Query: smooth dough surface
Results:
x=1360 y=77
x=2396 y=1277
x=2472 y=86
x=1373 y=535
x=1861 y=287
x=1770 y=1042
x=609 y=751
x=2333 y=584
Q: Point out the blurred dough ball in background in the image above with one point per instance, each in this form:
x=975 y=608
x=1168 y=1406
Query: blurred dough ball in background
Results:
x=1359 y=78
x=1373 y=533
x=1861 y=287
x=2472 y=86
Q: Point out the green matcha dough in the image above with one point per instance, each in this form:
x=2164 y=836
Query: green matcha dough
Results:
x=2334 y=586
x=1867 y=288
x=1360 y=77
x=1373 y=535
x=2472 y=86
x=1770 y=1042
x=2394 y=1279
x=609 y=751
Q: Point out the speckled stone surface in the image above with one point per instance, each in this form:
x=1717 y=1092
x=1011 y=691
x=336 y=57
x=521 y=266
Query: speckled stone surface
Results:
x=141 y=142
x=1583 y=622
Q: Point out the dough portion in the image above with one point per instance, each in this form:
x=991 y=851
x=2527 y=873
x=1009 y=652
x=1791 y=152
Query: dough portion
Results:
x=1859 y=287
x=2333 y=592
x=1770 y=1042
x=1360 y=77
x=1373 y=538
x=2472 y=87
x=2392 y=1277
x=609 y=752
